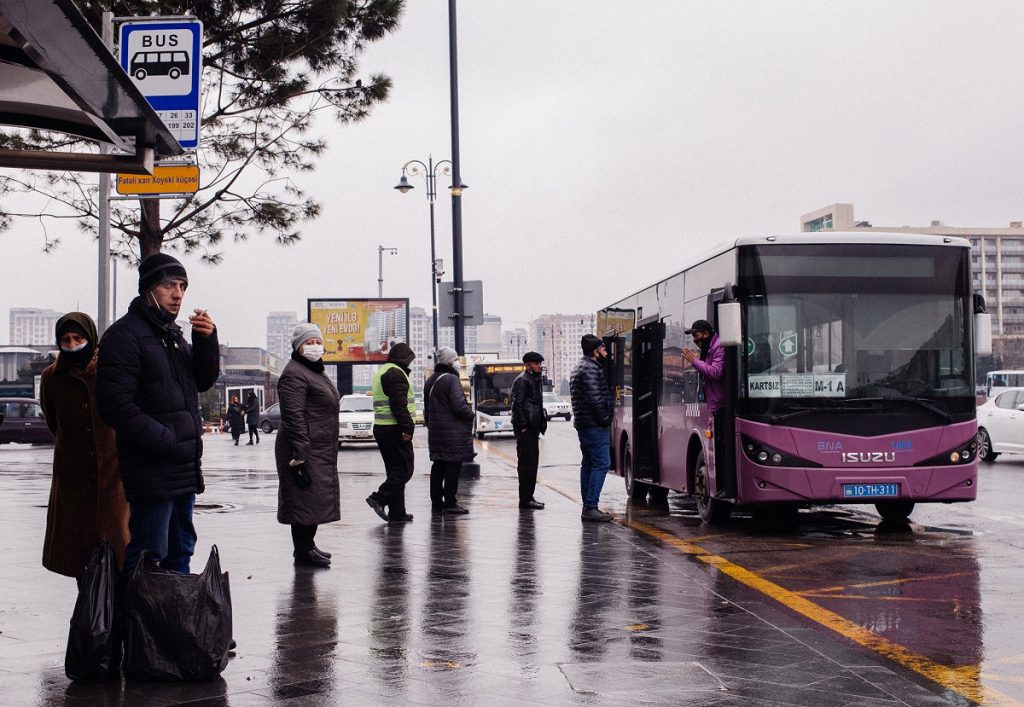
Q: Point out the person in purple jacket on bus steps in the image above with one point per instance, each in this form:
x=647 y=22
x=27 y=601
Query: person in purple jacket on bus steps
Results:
x=709 y=362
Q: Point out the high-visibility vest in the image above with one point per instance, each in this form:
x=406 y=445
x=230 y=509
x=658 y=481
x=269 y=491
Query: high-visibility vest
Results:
x=382 y=414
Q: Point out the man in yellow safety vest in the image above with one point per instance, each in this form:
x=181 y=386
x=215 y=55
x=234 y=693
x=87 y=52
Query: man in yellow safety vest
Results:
x=393 y=427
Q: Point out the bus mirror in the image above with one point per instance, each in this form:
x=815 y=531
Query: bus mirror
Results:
x=730 y=328
x=982 y=334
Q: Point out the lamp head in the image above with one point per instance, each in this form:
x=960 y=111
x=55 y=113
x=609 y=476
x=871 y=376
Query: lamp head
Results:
x=403 y=185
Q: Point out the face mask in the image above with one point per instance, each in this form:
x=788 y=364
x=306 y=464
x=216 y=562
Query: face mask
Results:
x=75 y=349
x=313 y=352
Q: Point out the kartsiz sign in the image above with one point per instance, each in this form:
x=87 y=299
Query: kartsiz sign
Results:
x=164 y=59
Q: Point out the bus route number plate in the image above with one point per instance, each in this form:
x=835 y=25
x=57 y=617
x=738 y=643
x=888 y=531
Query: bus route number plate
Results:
x=870 y=490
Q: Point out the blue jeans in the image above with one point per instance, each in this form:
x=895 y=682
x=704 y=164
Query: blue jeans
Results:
x=164 y=529
x=594 y=445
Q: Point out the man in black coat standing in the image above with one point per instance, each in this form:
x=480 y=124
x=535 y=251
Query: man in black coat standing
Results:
x=148 y=384
x=449 y=421
x=528 y=424
x=592 y=408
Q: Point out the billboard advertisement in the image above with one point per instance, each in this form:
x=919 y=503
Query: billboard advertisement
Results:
x=360 y=330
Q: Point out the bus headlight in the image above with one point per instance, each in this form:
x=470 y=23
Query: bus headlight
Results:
x=961 y=454
x=760 y=453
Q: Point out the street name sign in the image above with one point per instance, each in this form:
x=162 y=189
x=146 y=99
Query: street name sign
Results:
x=178 y=179
x=164 y=59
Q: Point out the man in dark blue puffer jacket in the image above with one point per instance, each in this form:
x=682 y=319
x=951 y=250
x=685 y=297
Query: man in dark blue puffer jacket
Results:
x=148 y=384
x=592 y=414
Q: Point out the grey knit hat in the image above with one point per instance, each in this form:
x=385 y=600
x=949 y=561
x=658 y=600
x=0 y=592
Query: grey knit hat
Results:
x=303 y=332
x=445 y=356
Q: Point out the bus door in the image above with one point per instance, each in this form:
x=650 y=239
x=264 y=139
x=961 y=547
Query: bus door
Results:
x=725 y=420
x=614 y=373
x=646 y=355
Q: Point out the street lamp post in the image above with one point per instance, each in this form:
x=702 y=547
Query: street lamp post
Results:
x=380 y=267
x=429 y=172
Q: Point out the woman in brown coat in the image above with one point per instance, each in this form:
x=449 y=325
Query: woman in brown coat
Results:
x=306 y=450
x=87 y=500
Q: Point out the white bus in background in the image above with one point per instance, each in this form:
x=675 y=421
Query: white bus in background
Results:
x=490 y=386
x=998 y=381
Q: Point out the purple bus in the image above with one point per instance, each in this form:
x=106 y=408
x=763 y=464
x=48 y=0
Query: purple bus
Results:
x=849 y=376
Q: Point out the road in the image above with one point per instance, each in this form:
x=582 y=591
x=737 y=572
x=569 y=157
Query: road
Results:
x=935 y=603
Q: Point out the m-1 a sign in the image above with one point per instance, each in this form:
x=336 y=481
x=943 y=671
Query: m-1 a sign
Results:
x=164 y=59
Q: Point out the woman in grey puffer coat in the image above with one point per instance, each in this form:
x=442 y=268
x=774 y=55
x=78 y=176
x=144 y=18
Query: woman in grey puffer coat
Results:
x=449 y=420
x=307 y=446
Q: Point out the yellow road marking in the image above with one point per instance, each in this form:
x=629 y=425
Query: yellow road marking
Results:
x=963 y=680
x=882 y=583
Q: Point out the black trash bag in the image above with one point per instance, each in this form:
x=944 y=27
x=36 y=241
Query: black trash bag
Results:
x=177 y=627
x=94 y=641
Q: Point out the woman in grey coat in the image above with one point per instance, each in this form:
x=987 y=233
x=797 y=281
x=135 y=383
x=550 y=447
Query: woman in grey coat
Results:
x=307 y=446
x=449 y=420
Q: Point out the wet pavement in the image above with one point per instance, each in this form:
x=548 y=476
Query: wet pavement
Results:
x=509 y=607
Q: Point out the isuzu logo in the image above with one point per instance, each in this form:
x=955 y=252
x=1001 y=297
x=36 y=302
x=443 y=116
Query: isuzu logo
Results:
x=868 y=457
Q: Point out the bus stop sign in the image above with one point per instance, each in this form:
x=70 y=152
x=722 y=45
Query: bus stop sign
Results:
x=164 y=60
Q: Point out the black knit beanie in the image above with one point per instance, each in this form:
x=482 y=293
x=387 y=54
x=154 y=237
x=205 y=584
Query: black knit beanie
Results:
x=157 y=268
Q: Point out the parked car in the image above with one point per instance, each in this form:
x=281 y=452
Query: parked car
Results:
x=270 y=419
x=23 y=422
x=355 y=419
x=554 y=406
x=1001 y=425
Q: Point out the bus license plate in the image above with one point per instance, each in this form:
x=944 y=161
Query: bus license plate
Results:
x=870 y=490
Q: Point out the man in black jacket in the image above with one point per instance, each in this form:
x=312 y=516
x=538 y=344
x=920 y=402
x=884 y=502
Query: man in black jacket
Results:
x=393 y=427
x=528 y=423
x=148 y=384
x=592 y=415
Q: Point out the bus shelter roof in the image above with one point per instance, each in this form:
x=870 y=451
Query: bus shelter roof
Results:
x=56 y=74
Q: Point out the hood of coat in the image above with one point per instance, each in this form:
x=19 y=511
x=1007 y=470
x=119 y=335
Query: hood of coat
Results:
x=401 y=354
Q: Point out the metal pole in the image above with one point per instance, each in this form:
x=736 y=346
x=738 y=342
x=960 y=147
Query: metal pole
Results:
x=457 y=284
x=380 y=272
x=103 y=284
x=433 y=276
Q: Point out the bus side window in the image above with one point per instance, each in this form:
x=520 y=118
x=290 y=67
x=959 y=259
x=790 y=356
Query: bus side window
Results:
x=690 y=385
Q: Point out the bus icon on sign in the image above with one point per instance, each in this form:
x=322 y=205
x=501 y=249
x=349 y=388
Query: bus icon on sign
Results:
x=170 y=64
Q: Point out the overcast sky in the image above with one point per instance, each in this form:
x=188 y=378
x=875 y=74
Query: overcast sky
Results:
x=606 y=143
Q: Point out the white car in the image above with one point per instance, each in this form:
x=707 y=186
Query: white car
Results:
x=355 y=419
x=1001 y=425
x=554 y=406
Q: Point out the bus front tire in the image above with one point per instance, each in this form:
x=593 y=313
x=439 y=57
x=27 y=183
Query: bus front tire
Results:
x=710 y=510
x=140 y=74
x=894 y=511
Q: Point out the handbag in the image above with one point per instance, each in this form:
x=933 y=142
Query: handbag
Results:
x=177 y=627
x=94 y=641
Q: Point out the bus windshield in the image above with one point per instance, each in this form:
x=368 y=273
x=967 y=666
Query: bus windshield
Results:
x=492 y=386
x=849 y=323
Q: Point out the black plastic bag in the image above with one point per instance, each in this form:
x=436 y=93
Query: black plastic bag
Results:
x=177 y=627
x=94 y=642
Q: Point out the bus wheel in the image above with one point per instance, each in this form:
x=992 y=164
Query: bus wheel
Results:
x=894 y=511
x=710 y=510
x=174 y=73
x=985 y=452
x=637 y=490
x=140 y=74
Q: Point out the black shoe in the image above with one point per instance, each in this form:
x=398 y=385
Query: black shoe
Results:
x=232 y=646
x=322 y=552
x=594 y=515
x=236 y=442
x=455 y=510
x=533 y=504
x=312 y=558
x=403 y=518
x=377 y=507
x=248 y=444
x=436 y=508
